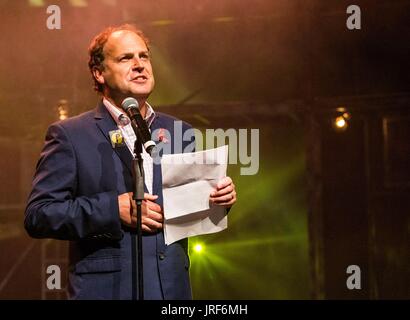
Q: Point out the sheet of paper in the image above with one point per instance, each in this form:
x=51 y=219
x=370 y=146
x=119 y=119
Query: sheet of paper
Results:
x=187 y=180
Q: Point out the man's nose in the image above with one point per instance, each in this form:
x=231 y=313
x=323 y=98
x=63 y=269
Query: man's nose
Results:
x=137 y=65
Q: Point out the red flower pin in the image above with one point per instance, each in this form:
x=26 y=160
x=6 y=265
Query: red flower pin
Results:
x=162 y=136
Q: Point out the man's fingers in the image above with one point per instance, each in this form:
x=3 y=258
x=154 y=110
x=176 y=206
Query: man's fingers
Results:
x=226 y=204
x=145 y=228
x=225 y=198
x=147 y=224
x=155 y=216
x=151 y=197
x=151 y=224
x=225 y=194
x=224 y=191
x=154 y=211
x=223 y=183
x=231 y=196
x=153 y=206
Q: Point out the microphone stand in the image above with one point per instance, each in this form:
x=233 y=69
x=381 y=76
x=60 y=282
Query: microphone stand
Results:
x=138 y=196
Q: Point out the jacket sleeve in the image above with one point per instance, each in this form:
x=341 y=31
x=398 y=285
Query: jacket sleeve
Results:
x=53 y=209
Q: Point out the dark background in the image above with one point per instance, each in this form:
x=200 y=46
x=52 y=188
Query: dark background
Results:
x=322 y=200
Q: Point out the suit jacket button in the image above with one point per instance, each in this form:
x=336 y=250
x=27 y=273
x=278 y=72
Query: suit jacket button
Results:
x=161 y=256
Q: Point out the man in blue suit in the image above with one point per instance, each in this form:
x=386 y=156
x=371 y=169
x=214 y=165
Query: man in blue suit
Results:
x=82 y=185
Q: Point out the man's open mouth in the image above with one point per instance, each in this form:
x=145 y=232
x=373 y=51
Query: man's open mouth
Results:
x=139 y=78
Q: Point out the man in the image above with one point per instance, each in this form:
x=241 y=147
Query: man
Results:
x=81 y=188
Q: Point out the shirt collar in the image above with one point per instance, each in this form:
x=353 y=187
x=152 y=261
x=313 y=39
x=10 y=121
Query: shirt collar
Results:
x=121 y=117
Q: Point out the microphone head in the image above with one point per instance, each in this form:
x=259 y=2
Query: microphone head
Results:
x=129 y=102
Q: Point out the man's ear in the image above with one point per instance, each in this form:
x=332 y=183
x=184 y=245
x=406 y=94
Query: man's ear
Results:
x=97 y=73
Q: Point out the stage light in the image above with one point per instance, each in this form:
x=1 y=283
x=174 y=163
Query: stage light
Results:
x=224 y=19
x=73 y=3
x=341 y=121
x=78 y=3
x=161 y=23
x=198 y=248
x=36 y=3
x=62 y=109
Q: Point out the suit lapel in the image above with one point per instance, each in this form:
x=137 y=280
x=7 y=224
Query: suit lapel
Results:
x=106 y=124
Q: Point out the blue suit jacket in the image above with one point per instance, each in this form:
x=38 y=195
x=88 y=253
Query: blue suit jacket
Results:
x=74 y=197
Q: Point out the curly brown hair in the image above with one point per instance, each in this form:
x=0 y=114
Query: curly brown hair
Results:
x=96 y=48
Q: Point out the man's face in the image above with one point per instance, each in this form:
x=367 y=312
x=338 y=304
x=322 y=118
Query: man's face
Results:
x=127 y=67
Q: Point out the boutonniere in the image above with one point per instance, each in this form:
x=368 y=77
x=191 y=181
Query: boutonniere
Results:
x=116 y=138
x=162 y=137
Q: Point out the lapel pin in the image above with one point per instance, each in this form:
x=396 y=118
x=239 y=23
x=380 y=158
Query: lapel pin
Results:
x=116 y=138
x=162 y=137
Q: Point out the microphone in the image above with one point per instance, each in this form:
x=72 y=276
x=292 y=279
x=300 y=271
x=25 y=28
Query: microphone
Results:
x=130 y=106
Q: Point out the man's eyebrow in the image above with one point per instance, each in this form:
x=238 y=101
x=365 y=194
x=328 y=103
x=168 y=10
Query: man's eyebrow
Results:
x=126 y=54
x=131 y=54
x=146 y=52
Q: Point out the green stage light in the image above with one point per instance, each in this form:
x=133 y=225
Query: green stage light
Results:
x=198 y=248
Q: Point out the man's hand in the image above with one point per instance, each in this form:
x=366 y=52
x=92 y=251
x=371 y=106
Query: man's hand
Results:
x=224 y=194
x=152 y=216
